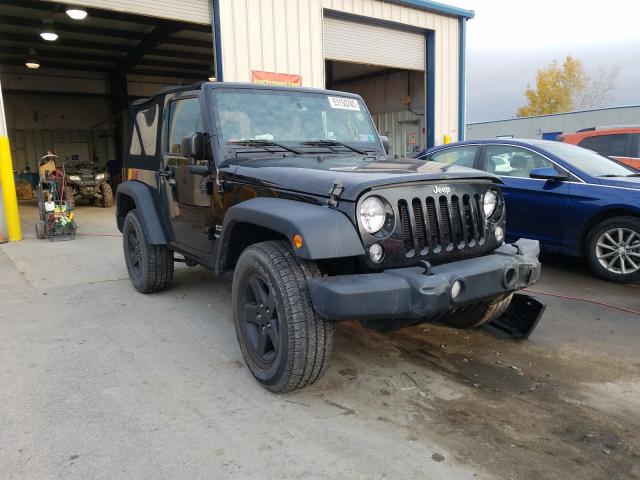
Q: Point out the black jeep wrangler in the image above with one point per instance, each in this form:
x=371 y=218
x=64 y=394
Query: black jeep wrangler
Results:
x=292 y=190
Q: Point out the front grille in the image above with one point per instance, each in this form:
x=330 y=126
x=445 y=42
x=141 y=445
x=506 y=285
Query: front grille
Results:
x=441 y=223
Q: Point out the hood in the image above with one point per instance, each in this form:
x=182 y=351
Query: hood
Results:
x=316 y=174
x=627 y=182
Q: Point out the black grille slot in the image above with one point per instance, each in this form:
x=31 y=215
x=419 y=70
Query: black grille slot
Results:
x=405 y=224
x=421 y=231
x=445 y=232
x=457 y=220
x=439 y=224
x=432 y=221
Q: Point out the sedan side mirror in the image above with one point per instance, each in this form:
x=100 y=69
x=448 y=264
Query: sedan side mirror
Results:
x=547 y=173
x=385 y=142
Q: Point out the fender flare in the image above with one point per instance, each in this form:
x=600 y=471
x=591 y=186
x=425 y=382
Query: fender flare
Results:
x=326 y=233
x=146 y=203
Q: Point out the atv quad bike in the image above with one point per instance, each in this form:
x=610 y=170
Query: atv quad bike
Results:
x=85 y=181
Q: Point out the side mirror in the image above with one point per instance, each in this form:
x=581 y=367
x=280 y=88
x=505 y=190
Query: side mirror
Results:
x=193 y=146
x=547 y=173
x=385 y=142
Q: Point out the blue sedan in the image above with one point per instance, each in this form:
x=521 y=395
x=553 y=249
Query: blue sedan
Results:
x=574 y=201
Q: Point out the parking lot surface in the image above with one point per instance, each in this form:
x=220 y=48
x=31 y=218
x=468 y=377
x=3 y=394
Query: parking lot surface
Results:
x=99 y=381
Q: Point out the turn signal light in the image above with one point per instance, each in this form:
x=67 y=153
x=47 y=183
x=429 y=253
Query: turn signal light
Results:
x=297 y=240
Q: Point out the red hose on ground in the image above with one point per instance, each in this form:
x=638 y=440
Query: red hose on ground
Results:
x=586 y=300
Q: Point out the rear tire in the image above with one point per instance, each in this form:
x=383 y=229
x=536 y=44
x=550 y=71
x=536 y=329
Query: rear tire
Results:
x=150 y=267
x=285 y=344
x=71 y=198
x=477 y=316
x=107 y=195
x=40 y=230
x=613 y=249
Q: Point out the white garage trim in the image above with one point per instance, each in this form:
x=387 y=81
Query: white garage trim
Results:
x=349 y=41
x=193 y=11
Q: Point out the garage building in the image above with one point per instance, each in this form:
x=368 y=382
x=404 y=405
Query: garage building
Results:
x=67 y=82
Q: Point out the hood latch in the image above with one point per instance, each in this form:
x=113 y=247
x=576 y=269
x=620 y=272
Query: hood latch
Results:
x=334 y=195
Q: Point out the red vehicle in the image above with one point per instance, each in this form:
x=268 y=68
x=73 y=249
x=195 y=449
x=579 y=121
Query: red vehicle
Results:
x=619 y=143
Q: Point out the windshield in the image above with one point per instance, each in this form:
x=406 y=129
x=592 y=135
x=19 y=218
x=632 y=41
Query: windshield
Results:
x=588 y=161
x=292 y=118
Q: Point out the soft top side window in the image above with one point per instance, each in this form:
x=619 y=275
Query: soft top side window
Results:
x=145 y=131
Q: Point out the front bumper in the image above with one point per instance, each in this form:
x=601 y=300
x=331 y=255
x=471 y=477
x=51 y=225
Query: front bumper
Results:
x=410 y=293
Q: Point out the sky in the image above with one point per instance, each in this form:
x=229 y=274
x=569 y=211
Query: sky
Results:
x=508 y=41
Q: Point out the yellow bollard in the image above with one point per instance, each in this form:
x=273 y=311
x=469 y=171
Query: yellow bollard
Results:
x=447 y=139
x=9 y=200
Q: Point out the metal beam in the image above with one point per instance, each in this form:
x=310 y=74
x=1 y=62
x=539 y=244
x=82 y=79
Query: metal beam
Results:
x=163 y=52
x=45 y=53
x=69 y=28
x=35 y=40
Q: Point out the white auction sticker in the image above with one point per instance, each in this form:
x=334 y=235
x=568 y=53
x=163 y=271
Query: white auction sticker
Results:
x=344 y=103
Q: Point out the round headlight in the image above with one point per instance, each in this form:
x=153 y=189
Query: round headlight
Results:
x=372 y=214
x=489 y=203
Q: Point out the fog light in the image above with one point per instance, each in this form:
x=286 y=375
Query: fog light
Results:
x=499 y=233
x=376 y=252
x=456 y=289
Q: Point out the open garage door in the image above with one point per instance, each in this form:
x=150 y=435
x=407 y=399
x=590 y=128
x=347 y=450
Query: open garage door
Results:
x=386 y=66
x=349 y=41
x=71 y=94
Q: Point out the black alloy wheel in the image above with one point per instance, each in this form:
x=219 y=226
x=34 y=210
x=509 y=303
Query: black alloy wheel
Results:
x=260 y=321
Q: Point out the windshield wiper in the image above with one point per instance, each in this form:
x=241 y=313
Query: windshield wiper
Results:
x=332 y=143
x=263 y=143
x=633 y=175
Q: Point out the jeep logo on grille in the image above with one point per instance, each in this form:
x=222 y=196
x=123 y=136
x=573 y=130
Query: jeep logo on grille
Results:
x=442 y=190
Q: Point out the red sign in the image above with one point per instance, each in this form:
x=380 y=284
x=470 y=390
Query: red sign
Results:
x=413 y=138
x=278 y=79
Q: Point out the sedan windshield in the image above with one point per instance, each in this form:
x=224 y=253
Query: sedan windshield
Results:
x=588 y=161
x=302 y=120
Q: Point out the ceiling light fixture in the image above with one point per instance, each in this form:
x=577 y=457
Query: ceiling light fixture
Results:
x=48 y=33
x=76 y=13
x=32 y=62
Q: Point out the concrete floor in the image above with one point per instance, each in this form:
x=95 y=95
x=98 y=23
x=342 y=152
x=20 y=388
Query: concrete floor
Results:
x=99 y=381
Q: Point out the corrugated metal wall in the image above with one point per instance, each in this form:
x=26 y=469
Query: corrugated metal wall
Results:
x=195 y=11
x=285 y=36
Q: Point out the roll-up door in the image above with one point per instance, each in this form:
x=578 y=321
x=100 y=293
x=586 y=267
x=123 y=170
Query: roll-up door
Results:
x=194 y=11
x=350 y=41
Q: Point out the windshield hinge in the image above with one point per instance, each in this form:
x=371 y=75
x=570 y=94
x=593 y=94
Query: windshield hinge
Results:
x=334 y=195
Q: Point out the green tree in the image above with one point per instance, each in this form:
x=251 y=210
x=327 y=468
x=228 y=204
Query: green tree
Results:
x=567 y=87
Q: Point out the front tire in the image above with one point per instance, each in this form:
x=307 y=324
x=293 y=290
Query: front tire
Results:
x=150 y=267
x=285 y=344
x=107 y=195
x=475 y=317
x=613 y=249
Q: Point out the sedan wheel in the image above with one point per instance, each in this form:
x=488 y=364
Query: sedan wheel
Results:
x=613 y=249
x=618 y=251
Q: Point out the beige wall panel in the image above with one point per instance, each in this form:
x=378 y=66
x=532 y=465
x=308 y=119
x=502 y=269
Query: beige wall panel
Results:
x=196 y=11
x=283 y=36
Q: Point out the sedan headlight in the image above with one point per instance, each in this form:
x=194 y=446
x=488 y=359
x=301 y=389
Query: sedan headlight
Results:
x=100 y=176
x=372 y=214
x=74 y=178
x=489 y=203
